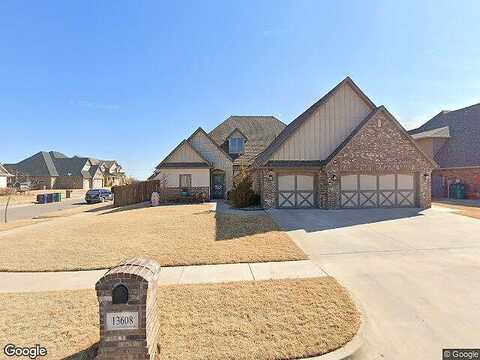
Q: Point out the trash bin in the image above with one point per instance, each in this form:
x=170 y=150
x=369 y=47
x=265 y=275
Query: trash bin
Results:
x=41 y=199
x=458 y=191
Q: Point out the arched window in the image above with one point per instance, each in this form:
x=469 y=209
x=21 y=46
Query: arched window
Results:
x=120 y=294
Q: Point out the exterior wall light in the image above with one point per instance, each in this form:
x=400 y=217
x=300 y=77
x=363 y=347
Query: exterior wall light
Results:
x=333 y=178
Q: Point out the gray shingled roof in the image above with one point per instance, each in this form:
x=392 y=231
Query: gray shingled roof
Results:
x=4 y=171
x=463 y=146
x=39 y=164
x=54 y=163
x=260 y=131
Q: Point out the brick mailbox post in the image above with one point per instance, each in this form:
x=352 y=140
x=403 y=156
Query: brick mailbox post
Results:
x=129 y=318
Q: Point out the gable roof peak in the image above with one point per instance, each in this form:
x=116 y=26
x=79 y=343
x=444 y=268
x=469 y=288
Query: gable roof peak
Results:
x=299 y=120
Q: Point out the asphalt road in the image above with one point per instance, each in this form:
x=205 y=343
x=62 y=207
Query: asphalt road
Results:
x=30 y=211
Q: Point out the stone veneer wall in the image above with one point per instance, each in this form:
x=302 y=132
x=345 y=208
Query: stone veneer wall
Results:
x=379 y=147
x=322 y=190
x=268 y=188
x=425 y=190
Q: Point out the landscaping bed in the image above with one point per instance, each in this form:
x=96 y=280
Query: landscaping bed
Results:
x=275 y=319
x=171 y=235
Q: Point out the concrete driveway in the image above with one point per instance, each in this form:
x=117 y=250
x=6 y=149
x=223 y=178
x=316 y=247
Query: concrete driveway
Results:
x=415 y=274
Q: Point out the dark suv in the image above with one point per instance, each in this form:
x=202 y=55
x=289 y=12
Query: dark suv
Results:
x=98 y=195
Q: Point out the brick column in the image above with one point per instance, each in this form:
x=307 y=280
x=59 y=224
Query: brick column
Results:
x=333 y=190
x=269 y=189
x=425 y=190
x=129 y=318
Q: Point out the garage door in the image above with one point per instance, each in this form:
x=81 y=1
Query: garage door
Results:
x=295 y=191
x=97 y=183
x=367 y=191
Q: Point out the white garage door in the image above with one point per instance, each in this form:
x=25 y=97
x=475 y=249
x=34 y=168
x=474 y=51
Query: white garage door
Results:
x=389 y=190
x=97 y=183
x=295 y=191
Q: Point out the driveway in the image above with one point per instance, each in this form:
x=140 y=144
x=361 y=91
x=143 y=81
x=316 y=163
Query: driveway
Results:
x=415 y=274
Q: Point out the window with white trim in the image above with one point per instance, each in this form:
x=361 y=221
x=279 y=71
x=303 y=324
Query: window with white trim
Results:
x=185 y=180
x=236 y=146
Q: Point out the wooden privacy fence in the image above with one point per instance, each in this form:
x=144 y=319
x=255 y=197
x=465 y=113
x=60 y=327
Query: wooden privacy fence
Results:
x=142 y=191
x=135 y=193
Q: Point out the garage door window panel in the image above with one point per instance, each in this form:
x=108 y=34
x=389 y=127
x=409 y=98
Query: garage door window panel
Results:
x=368 y=190
x=386 y=190
x=304 y=188
x=349 y=191
x=405 y=190
x=286 y=190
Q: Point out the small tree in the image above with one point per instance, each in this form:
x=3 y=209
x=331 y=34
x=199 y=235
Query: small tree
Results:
x=130 y=180
x=242 y=194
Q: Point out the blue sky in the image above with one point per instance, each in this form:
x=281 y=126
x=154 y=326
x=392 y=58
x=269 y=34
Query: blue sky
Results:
x=128 y=80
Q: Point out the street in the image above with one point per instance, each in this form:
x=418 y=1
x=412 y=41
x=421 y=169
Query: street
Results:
x=29 y=211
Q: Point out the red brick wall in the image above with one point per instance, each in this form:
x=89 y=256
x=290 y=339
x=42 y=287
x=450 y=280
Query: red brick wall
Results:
x=468 y=176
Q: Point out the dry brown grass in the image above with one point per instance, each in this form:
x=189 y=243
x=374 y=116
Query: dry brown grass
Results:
x=470 y=211
x=172 y=235
x=277 y=319
x=256 y=320
x=64 y=322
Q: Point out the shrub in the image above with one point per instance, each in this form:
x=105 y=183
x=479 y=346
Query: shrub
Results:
x=242 y=194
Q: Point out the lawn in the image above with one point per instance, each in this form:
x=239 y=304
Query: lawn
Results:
x=276 y=319
x=465 y=210
x=172 y=235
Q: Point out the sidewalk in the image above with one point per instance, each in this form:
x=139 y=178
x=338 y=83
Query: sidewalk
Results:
x=75 y=280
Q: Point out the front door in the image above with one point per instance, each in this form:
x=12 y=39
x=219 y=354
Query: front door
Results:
x=218 y=186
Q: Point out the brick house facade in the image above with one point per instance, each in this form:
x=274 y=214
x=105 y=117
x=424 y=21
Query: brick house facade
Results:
x=386 y=166
x=451 y=139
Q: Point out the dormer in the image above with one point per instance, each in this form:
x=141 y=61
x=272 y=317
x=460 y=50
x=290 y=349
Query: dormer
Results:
x=236 y=142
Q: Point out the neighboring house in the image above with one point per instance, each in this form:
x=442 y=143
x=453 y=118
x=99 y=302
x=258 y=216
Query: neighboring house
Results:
x=452 y=139
x=4 y=175
x=113 y=173
x=54 y=170
x=207 y=162
x=342 y=152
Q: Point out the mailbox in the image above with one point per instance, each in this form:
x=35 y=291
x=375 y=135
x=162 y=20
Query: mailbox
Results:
x=129 y=318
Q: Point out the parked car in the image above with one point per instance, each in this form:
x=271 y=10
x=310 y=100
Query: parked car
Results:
x=98 y=195
x=23 y=186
